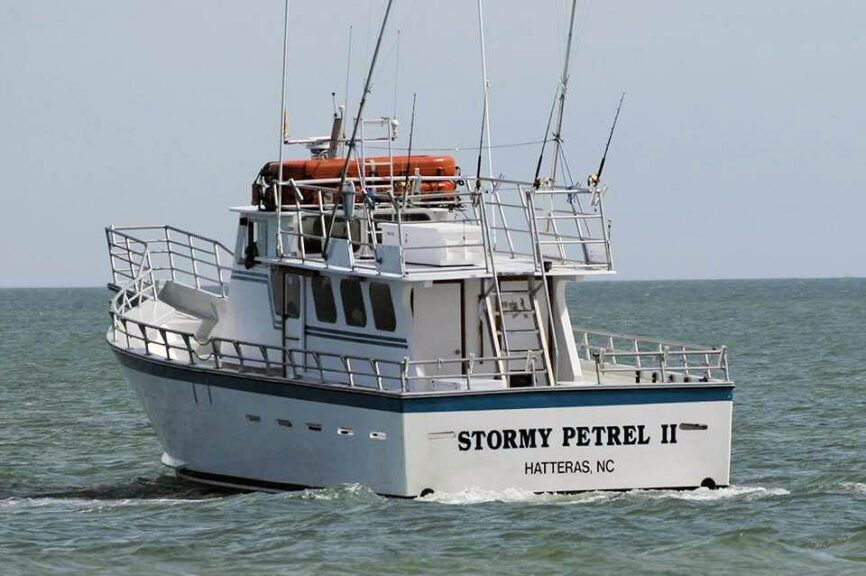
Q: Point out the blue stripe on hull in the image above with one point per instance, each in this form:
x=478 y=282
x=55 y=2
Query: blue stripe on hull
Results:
x=510 y=399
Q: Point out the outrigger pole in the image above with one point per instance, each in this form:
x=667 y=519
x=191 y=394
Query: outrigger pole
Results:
x=284 y=129
x=351 y=143
x=485 y=116
x=563 y=88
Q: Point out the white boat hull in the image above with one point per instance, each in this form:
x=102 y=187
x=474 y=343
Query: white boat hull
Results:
x=254 y=431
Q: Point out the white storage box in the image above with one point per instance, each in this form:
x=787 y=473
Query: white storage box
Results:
x=436 y=243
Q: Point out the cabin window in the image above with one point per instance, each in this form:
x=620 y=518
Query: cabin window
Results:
x=323 y=299
x=286 y=291
x=353 y=302
x=383 y=307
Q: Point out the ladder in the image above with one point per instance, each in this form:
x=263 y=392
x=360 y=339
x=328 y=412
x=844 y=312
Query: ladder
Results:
x=514 y=316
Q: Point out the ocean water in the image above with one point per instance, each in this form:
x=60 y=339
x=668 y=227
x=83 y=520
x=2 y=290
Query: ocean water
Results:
x=82 y=490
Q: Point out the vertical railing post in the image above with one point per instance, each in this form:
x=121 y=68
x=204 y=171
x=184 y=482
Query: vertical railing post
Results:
x=404 y=373
x=605 y=233
x=143 y=331
x=374 y=363
x=664 y=362
x=240 y=355
x=263 y=350
x=164 y=337
x=189 y=349
x=347 y=366
x=170 y=253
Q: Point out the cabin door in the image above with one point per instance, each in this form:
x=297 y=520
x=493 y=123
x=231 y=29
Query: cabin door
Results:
x=437 y=330
x=287 y=292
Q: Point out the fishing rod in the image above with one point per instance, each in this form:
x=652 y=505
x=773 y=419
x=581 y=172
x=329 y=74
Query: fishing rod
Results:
x=594 y=179
x=409 y=156
x=536 y=180
x=352 y=140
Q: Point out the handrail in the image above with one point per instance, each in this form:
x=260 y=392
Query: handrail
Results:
x=324 y=368
x=566 y=230
x=656 y=360
x=173 y=253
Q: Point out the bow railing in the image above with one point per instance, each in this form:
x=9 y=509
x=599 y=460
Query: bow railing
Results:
x=172 y=254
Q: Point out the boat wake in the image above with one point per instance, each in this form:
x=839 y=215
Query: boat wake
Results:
x=479 y=496
x=162 y=488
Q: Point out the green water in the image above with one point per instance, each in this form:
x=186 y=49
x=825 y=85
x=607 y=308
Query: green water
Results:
x=82 y=490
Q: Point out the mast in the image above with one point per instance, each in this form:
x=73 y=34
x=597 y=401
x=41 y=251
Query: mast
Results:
x=284 y=129
x=563 y=88
x=351 y=143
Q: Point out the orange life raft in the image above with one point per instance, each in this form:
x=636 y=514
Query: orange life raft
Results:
x=378 y=166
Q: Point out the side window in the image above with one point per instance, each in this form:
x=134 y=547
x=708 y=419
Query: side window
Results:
x=383 y=306
x=323 y=299
x=353 y=302
x=286 y=290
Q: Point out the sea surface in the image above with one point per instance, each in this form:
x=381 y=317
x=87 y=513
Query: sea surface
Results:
x=82 y=490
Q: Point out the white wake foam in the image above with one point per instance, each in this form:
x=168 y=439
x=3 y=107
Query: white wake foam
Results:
x=514 y=495
x=854 y=487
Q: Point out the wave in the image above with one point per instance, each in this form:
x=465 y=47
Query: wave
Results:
x=514 y=495
x=351 y=491
x=162 y=488
x=854 y=487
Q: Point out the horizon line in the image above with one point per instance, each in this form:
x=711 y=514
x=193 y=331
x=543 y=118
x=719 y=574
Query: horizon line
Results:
x=590 y=279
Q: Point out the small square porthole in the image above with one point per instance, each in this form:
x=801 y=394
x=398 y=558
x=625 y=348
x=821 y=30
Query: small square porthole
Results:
x=254 y=418
x=378 y=436
x=314 y=427
x=284 y=423
x=345 y=431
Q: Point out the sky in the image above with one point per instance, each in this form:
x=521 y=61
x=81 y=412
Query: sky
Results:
x=739 y=152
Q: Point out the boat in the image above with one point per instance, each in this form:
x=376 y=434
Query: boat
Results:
x=387 y=321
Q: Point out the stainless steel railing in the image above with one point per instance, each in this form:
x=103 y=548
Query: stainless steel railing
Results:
x=559 y=227
x=171 y=254
x=650 y=360
x=323 y=368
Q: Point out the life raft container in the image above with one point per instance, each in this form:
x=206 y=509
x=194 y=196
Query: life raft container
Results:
x=425 y=165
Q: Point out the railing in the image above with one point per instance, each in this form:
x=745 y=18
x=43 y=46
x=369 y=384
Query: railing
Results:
x=540 y=227
x=171 y=254
x=649 y=360
x=317 y=367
